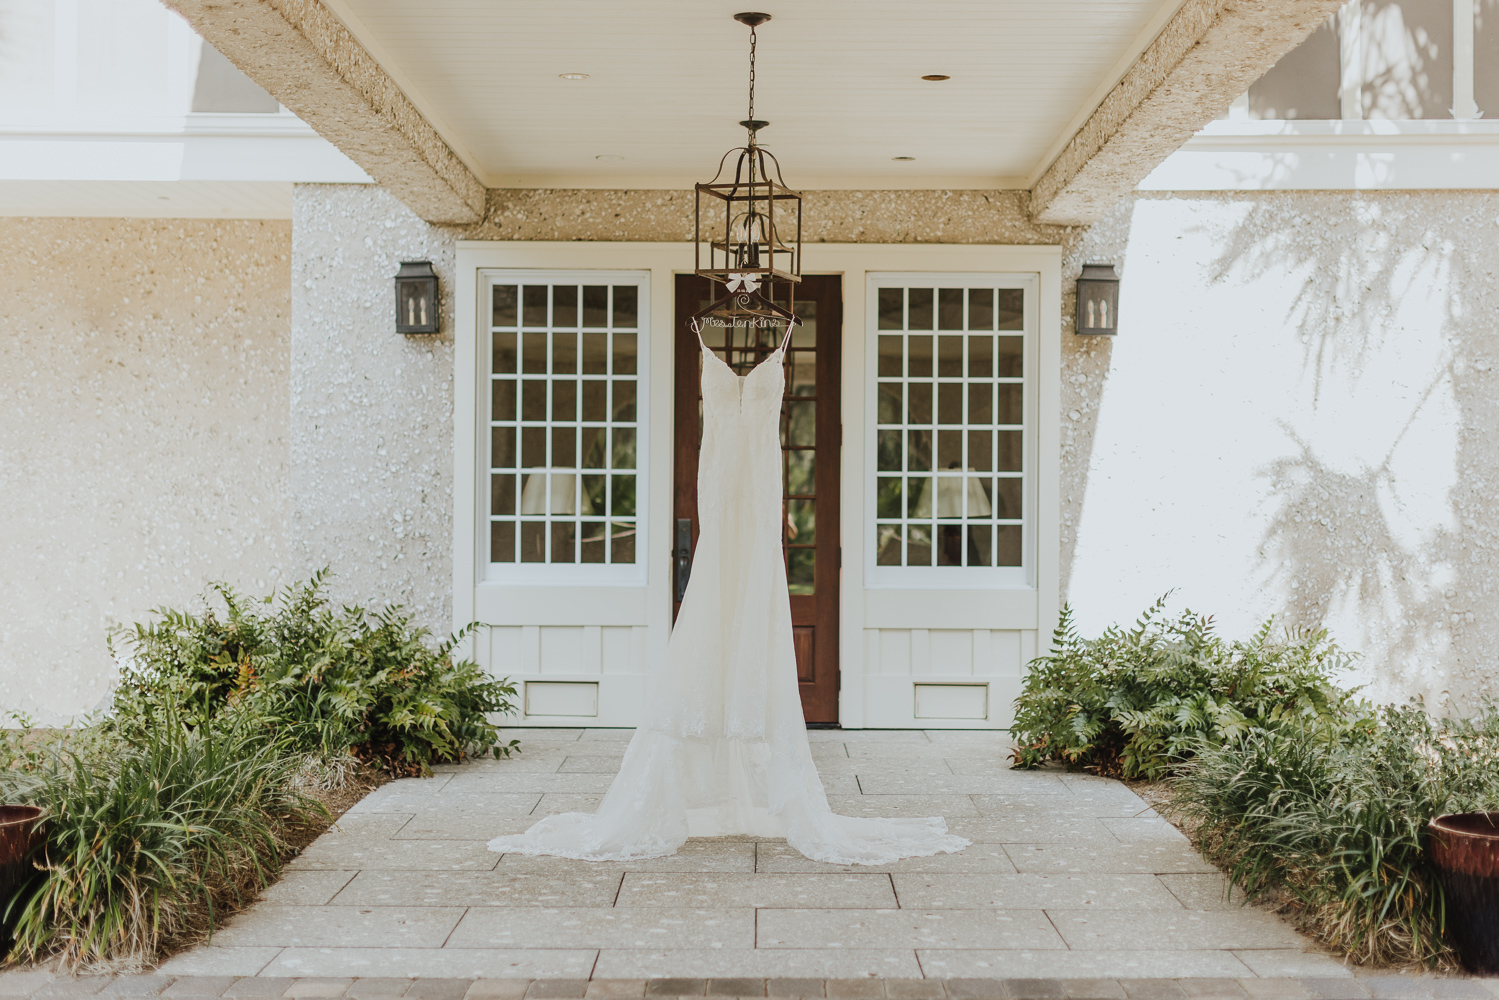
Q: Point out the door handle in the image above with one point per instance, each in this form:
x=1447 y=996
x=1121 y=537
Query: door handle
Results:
x=682 y=555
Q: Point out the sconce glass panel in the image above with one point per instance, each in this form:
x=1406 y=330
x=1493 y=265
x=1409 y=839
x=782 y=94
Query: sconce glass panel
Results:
x=1098 y=300
x=416 y=297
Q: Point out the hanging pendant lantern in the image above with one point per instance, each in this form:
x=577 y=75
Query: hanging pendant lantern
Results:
x=749 y=228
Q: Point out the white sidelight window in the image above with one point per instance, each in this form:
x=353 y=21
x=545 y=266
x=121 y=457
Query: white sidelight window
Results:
x=564 y=405
x=953 y=390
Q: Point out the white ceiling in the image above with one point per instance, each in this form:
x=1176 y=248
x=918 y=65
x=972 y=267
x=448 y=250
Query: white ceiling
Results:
x=838 y=80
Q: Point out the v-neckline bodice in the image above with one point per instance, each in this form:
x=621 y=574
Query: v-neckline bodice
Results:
x=778 y=352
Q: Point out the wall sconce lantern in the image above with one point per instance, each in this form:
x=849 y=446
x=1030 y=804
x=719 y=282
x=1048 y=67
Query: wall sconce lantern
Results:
x=1098 y=300
x=416 y=297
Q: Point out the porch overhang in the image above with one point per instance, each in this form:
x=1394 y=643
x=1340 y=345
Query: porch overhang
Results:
x=1079 y=134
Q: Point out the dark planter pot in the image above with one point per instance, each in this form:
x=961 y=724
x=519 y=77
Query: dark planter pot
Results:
x=20 y=837
x=1465 y=850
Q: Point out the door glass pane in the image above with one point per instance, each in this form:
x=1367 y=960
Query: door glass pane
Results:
x=558 y=452
x=949 y=481
x=801 y=521
x=801 y=473
x=801 y=424
x=800 y=563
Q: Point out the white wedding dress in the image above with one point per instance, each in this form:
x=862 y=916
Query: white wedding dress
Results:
x=722 y=748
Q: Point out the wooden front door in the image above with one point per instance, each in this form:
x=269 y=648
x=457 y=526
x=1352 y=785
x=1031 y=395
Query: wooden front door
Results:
x=811 y=435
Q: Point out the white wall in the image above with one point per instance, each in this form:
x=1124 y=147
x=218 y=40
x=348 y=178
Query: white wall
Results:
x=143 y=435
x=1296 y=419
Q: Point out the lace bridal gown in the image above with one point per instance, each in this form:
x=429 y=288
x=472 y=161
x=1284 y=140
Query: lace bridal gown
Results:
x=722 y=749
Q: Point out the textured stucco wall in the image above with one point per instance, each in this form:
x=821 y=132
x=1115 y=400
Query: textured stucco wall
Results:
x=1299 y=418
x=143 y=434
x=371 y=410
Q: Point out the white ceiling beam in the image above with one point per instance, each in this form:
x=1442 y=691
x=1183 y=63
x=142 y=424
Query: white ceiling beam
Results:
x=308 y=60
x=1207 y=55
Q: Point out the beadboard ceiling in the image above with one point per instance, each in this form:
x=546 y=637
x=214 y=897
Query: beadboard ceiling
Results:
x=839 y=81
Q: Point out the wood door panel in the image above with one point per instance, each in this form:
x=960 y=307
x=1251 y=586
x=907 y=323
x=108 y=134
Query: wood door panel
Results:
x=810 y=466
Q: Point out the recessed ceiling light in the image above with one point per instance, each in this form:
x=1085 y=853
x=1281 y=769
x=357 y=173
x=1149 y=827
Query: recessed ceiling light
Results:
x=573 y=76
x=608 y=157
x=936 y=76
x=902 y=158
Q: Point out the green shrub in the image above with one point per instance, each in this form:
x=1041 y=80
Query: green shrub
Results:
x=328 y=679
x=146 y=835
x=1135 y=703
x=1341 y=823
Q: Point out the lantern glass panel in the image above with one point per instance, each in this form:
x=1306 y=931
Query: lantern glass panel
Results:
x=416 y=298
x=1098 y=300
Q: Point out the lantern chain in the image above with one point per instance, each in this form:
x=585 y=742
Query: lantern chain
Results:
x=752 y=84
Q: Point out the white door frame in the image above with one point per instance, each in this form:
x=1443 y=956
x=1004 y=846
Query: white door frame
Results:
x=646 y=609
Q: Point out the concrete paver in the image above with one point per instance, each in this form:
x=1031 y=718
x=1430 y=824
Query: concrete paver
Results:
x=757 y=962
x=716 y=855
x=982 y=858
x=1203 y=892
x=1143 y=830
x=1111 y=930
x=438 y=988
x=1029 y=822
x=275 y=986
x=1153 y=857
x=385 y=854
x=466 y=824
x=904 y=928
x=343 y=926
x=1093 y=989
x=470 y=963
x=1036 y=989
x=903 y=805
x=1034 y=892
x=1293 y=962
x=844 y=891
x=199 y=985
x=497 y=989
x=1072 y=886
x=617 y=927
x=419 y=888
x=614 y=989
x=143 y=985
x=1074 y=964
x=307 y=888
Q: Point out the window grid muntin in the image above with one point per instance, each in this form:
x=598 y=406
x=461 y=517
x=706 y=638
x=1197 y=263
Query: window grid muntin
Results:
x=933 y=329
x=620 y=489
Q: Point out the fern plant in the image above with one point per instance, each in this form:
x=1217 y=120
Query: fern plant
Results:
x=328 y=679
x=1137 y=702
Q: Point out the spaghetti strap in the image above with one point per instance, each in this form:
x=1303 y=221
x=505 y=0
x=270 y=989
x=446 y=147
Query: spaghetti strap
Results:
x=697 y=328
x=787 y=341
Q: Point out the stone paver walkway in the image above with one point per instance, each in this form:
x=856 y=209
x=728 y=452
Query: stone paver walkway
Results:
x=46 y=986
x=1069 y=877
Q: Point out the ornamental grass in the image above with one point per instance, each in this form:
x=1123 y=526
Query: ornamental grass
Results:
x=1337 y=820
x=148 y=836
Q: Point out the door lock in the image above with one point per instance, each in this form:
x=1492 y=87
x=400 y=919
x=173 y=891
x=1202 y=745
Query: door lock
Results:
x=682 y=555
